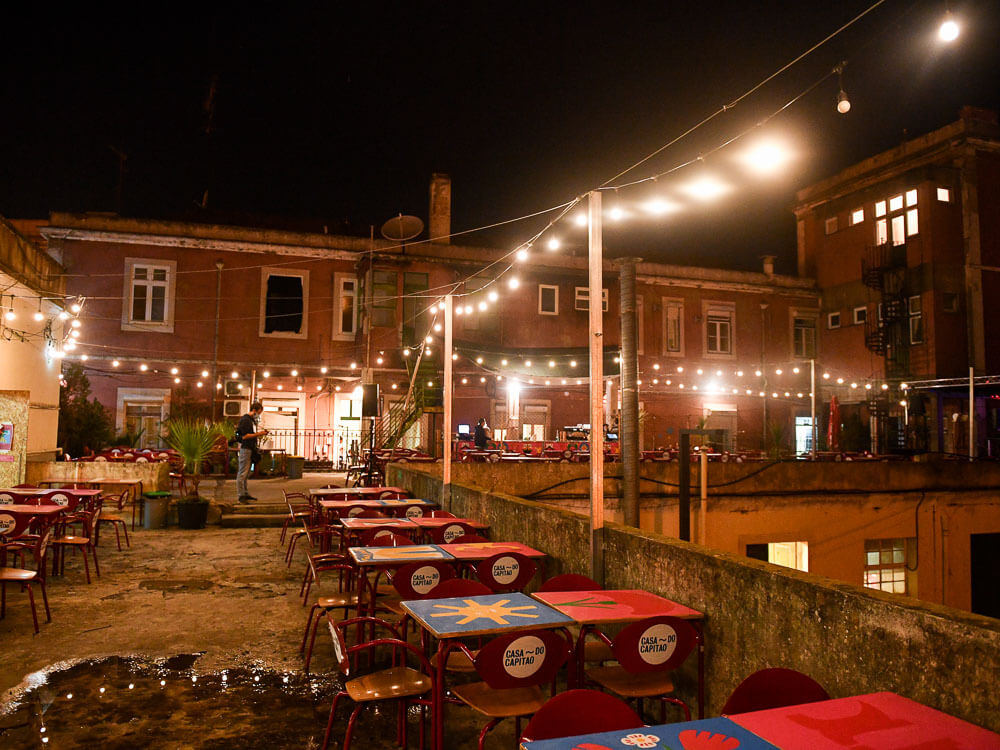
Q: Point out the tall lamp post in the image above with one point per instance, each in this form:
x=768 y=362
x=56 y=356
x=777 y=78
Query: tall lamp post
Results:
x=596 y=342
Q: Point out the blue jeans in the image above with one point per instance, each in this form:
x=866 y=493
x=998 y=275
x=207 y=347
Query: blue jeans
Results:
x=243 y=471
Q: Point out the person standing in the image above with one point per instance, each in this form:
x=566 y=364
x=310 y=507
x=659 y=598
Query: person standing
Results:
x=248 y=433
x=480 y=437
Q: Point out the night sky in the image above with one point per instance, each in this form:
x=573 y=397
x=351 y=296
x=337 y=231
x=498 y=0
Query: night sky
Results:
x=337 y=114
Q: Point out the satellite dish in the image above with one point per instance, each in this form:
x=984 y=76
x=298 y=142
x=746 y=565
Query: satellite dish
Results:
x=401 y=228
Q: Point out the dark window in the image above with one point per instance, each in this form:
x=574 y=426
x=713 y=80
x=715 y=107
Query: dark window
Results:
x=284 y=305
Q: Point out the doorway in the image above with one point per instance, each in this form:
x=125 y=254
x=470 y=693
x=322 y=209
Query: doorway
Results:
x=984 y=551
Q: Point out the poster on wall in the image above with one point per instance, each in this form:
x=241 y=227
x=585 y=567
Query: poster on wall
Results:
x=6 y=436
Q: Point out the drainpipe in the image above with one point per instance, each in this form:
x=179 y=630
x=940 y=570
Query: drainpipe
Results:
x=628 y=437
x=215 y=351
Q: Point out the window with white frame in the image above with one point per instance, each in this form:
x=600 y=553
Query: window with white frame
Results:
x=534 y=420
x=896 y=218
x=719 y=319
x=345 y=306
x=833 y=320
x=673 y=326
x=914 y=308
x=149 y=297
x=804 y=336
x=284 y=303
x=944 y=195
x=886 y=565
x=830 y=225
x=860 y=315
x=548 y=299
x=857 y=216
x=582 y=298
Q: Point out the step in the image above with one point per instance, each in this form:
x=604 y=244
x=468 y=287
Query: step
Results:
x=252 y=520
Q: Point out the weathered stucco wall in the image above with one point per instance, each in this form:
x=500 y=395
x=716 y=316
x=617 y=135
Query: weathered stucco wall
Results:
x=154 y=476
x=851 y=639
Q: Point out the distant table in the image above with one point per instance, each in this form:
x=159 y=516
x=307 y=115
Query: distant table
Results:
x=475 y=551
x=357 y=493
x=679 y=736
x=590 y=609
x=427 y=524
x=354 y=507
x=877 y=720
x=354 y=527
x=67 y=498
x=489 y=614
x=379 y=559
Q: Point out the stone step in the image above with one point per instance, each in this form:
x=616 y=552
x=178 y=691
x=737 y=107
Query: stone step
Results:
x=252 y=520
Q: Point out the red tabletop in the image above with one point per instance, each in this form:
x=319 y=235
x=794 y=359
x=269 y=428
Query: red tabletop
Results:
x=437 y=523
x=614 y=605
x=484 y=550
x=14 y=517
x=362 y=524
x=357 y=492
x=880 y=721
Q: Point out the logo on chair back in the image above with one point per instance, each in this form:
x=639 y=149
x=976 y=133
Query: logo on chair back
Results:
x=505 y=570
x=354 y=512
x=523 y=657
x=414 y=511
x=657 y=644
x=453 y=532
x=60 y=498
x=6 y=499
x=425 y=579
x=7 y=523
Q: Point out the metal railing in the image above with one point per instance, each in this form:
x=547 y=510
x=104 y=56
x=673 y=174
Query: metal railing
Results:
x=342 y=447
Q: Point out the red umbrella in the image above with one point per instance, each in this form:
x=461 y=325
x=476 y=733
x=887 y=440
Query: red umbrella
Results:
x=833 y=428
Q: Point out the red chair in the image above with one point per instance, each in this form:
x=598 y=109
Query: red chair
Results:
x=512 y=668
x=25 y=577
x=84 y=541
x=647 y=652
x=414 y=581
x=506 y=572
x=115 y=519
x=580 y=712
x=774 y=688
x=399 y=682
x=450 y=533
x=299 y=509
x=344 y=598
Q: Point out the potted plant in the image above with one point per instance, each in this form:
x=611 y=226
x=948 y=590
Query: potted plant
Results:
x=193 y=439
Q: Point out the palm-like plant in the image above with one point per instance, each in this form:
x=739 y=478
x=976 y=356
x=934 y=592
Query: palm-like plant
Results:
x=193 y=439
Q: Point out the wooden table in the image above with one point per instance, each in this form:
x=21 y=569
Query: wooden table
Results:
x=353 y=507
x=590 y=609
x=486 y=615
x=66 y=498
x=679 y=736
x=877 y=720
x=471 y=552
x=15 y=517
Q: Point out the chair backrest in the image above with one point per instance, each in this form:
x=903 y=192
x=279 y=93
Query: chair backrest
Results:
x=10 y=498
x=411 y=511
x=580 y=712
x=451 y=532
x=370 y=536
x=393 y=495
x=391 y=540
x=25 y=486
x=471 y=539
x=456 y=587
x=570 y=582
x=441 y=514
x=655 y=644
x=516 y=660
x=366 y=513
x=774 y=688
x=506 y=571
x=419 y=580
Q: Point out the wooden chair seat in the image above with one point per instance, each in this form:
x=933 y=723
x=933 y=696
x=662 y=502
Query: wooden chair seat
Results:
x=395 y=682
x=500 y=703
x=631 y=684
x=17 y=575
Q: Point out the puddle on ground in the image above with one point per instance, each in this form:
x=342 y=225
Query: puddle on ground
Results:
x=127 y=702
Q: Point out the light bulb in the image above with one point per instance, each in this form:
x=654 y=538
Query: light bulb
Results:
x=949 y=29
x=843 y=103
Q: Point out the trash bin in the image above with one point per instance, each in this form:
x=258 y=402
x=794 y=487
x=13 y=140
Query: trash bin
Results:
x=155 y=514
x=294 y=466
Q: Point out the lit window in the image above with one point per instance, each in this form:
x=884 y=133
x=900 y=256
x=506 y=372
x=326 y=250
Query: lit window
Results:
x=548 y=299
x=284 y=303
x=881 y=232
x=880 y=208
x=857 y=216
x=673 y=319
x=345 y=307
x=787 y=554
x=582 y=298
x=885 y=565
x=149 y=299
x=804 y=337
x=896 y=203
x=898 y=224
x=860 y=315
x=833 y=320
x=911 y=198
x=944 y=195
x=916 y=320
x=912 y=227
x=830 y=226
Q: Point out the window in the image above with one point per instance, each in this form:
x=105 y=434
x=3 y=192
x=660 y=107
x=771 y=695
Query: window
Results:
x=944 y=195
x=860 y=315
x=911 y=198
x=901 y=221
x=141 y=412
x=830 y=225
x=582 y=300
x=149 y=299
x=857 y=216
x=284 y=307
x=833 y=320
x=673 y=326
x=949 y=301
x=719 y=329
x=384 y=299
x=804 y=337
x=787 y=554
x=916 y=320
x=880 y=209
x=885 y=565
x=345 y=307
x=548 y=299
x=534 y=420
x=895 y=203
x=911 y=222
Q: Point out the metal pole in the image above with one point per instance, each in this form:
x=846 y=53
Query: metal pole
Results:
x=448 y=397
x=703 y=506
x=972 y=413
x=812 y=405
x=684 y=489
x=629 y=427
x=215 y=349
x=596 y=341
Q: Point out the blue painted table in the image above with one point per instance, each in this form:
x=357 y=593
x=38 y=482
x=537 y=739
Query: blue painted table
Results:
x=702 y=734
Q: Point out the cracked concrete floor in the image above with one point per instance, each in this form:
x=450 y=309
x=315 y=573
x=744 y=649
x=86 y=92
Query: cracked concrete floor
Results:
x=222 y=596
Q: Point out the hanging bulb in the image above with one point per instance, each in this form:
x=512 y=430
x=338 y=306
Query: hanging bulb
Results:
x=843 y=103
x=948 y=31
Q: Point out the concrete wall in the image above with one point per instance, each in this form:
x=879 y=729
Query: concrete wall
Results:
x=851 y=639
x=154 y=476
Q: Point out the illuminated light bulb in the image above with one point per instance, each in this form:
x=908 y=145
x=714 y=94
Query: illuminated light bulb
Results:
x=430 y=383
x=194 y=678
x=736 y=390
x=503 y=362
x=204 y=373
x=354 y=365
x=739 y=373
x=616 y=213
x=948 y=31
x=522 y=254
x=234 y=374
x=700 y=371
x=787 y=394
x=483 y=380
x=527 y=363
x=295 y=373
x=681 y=386
x=656 y=381
x=74 y=334
x=680 y=368
x=63 y=315
x=705 y=188
x=774 y=395
x=758 y=373
x=826 y=376
x=903 y=402
x=553 y=244
x=144 y=367
x=638 y=382
x=70 y=345
x=572 y=363
x=319 y=387
x=281 y=387
x=406 y=352
x=266 y=374
x=434 y=308
x=749 y=392
x=429 y=339
x=218 y=386
x=552 y=363
x=84 y=357
x=76 y=324
x=531 y=381
x=468 y=309
x=580 y=219
x=115 y=363
x=499 y=378
x=765 y=157
x=762 y=394
x=840 y=381
x=854 y=385
x=656 y=366
x=10 y=314
x=513 y=283
x=479 y=360
x=885 y=386
x=102 y=693
x=800 y=395
x=437 y=327
x=177 y=380
x=131 y=685
x=174 y=370
x=659 y=207
x=40 y=317
x=843 y=103
x=459 y=310
x=548 y=382
x=323 y=370
x=394 y=386
x=465 y=381
x=378 y=360
x=298 y=387
x=493 y=296
x=199 y=384
x=868 y=386
x=795 y=370
x=777 y=371
x=76 y=307
x=337 y=388
x=564 y=381
x=482 y=306
x=694 y=387
x=454 y=356
x=427 y=351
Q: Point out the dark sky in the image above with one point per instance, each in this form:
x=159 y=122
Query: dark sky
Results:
x=338 y=113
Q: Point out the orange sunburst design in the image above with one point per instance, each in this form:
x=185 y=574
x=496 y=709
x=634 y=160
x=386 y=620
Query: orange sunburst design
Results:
x=497 y=611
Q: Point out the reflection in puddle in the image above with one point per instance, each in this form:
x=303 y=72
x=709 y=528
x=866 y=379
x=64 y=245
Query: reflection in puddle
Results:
x=125 y=702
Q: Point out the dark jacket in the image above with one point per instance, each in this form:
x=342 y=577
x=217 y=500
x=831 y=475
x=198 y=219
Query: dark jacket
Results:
x=247 y=426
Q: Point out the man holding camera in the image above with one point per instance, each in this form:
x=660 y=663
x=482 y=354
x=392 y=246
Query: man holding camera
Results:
x=248 y=434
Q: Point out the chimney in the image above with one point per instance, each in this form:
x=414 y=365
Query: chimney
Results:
x=440 y=223
x=769 y=265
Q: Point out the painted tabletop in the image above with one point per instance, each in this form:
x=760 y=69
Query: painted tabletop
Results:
x=355 y=491
x=483 y=550
x=483 y=615
x=361 y=524
x=437 y=523
x=375 y=503
x=614 y=605
x=15 y=517
x=389 y=556
x=880 y=721
x=704 y=734
x=79 y=492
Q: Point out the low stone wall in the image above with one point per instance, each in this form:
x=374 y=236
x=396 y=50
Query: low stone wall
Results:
x=154 y=476
x=851 y=639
